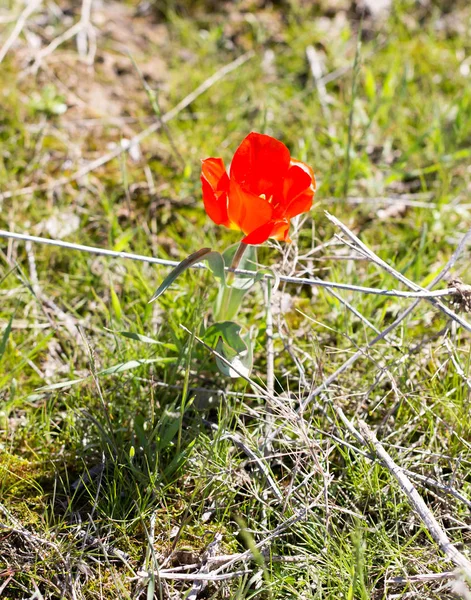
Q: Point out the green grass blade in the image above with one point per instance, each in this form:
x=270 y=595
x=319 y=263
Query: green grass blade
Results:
x=5 y=336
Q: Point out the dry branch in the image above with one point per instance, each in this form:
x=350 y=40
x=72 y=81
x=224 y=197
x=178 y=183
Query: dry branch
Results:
x=362 y=351
x=422 y=578
x=450 y=291
x=418 y=504
x=21 y=22
x=363 y=248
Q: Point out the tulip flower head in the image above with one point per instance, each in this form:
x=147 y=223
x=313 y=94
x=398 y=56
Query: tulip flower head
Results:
x=264 y=190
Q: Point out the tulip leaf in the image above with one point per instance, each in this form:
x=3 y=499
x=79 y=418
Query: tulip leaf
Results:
x=243 y=285
x=230 y=296
x=248 y=262
x=238 y=364
x=235 y=348
x=216 y=265
x=179 y=269
x=229 y=332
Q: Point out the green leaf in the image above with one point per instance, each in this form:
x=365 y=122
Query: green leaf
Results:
x=229 y=332
x=237 y=365
x=235 y=348
x=151 y=588
x=168 y=430
x=179 y=269
x=179 y=459
x=230 y=296
x=122 y=242
x=116 y=304
x=216 y=265
x=248 y=262
x=146 y=340
x=119 y=368
x=187 y=171
x=61 y=384
x=133 y=364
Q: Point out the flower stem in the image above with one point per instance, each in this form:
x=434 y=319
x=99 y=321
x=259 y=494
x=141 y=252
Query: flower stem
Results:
x=235 y=262
x=228 y=299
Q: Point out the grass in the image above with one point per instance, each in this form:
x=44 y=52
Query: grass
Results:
x=145 y=465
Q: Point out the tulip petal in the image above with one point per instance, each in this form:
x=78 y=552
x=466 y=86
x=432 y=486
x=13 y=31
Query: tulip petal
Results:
x=215 y=204
x=296 y=182
x=214 y=171
x=215 y=185
x=259 y=235
x=300 y=204
x=298 y=189
x=246 y=210
x=304 y=167
x=281 y=231
x=260 y=163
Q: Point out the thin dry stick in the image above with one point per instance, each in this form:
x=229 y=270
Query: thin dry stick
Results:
x=352 y=360
x=270 y=345
x=423 y=480
x=418 y=504
x=223 y=558
x=278 y=402
x=315 y=64
x=44 y=302
x=20 y=530
x=423 y=578
x=31 y=6
x=252 y=455
x=81 y=30
x=56 y=42
x=173 y=263
x=281 y=528
x=359 y=354
x=192 y=577
x=135 y=141
x=353 y=310
x=459 y=369
x=263 y=392
x=270 y=348
x=210 y=552
x=83 y=37
x=399 y=276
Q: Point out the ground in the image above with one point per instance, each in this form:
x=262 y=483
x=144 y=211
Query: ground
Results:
x=126 y=457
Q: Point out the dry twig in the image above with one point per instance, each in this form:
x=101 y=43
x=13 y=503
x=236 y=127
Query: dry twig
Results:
x=418 y=504
x=362 y=351
x=210 y=552
x=422 y=578
x=22 y=19
x=450 y=291
x=363 y=248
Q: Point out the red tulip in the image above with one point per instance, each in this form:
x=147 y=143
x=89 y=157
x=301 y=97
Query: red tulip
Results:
x=265 y=189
